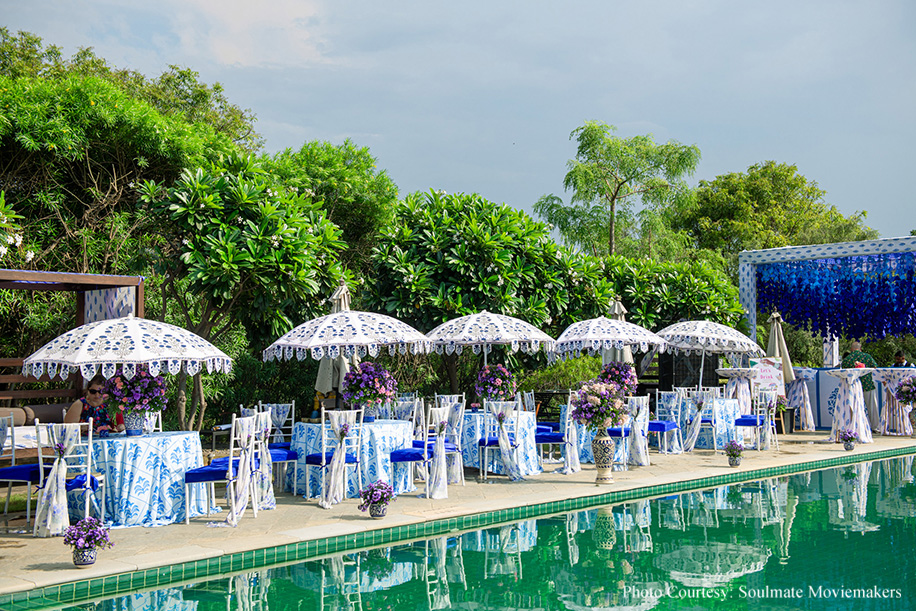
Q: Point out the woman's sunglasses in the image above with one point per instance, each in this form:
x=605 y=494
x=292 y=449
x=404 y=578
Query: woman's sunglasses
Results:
x=95 y=391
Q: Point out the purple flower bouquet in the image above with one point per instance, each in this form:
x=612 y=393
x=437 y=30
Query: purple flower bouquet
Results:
x=377 y=493
x=621 y=374
x=369 y=384
x=906 y=391
x=495 y=383
x=88 y=533
x=141 y=393
x=598 y=405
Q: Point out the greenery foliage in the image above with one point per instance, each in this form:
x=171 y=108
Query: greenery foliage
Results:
x=610 y=172
x=660 y=294
x=571 y=373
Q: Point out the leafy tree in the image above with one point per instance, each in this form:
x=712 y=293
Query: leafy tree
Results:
x=355 y=195
x=608 y=175
x=240 y=248
x=446 y=256
x=176 y=92
x=769 y=206
x=660 y=294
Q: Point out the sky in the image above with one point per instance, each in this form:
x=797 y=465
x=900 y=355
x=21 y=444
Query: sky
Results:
x=482 y=96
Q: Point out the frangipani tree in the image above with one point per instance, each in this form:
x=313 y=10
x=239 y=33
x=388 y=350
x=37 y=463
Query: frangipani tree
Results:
x=241 y=249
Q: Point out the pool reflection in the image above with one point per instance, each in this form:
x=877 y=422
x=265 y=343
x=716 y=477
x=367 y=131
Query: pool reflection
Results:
x=795 y=531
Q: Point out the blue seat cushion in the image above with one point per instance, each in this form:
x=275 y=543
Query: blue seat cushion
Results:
x=282 y=454
x=210 y=473
x=490 y=442
x=278 y=446
x=79 y=482
x=22 y=473
x=662 y=426
x=410 y=454
x=553 y=426
x=750 y=421
x=551 y=437
x=449 y=446
x=617 y=431
x=543 y=428
x=316 y=459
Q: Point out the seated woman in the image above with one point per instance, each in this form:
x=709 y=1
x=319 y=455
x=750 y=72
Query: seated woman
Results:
x=93 y=406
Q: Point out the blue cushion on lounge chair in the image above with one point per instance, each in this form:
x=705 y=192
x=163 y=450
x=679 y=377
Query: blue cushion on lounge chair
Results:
x=23 y=473
x=209 y=473
x=662 y=426
x=750 y=420
x=282 y=454
x=315 y=459
x=449 y=446
x=551 y=437
x=493 y=441
x=410 y=454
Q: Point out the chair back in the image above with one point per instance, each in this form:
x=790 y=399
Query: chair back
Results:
x=282 y=419
x=639 y=412
x=64 y=441
x=7 y=439
x=404 y=409
x=242 y=441
x=526 y=400
x=511 y=409
x=683 y=391
x=715 y=391
x=456 y=406
x=332 y=422
x=667 y=406
x=765 y=401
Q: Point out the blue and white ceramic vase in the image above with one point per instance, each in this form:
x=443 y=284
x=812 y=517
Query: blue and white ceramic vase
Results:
x=378 y=510
x=849 y=445
x=84 y=557
x=603 y=447
x=133 y=422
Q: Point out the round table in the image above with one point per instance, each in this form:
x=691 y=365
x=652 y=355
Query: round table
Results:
x=849 y=411
x=895 y=419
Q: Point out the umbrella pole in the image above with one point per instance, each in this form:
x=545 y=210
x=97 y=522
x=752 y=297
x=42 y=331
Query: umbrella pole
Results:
x=702 y=363
x=484 y=355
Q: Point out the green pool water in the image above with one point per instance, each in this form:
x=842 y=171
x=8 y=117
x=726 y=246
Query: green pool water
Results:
x=840 y=538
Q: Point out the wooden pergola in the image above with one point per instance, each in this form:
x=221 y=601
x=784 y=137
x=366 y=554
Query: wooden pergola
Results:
x=80 y=284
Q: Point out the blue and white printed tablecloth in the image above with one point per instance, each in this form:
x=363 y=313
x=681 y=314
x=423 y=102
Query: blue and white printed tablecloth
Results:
x=144 y=478
x=475 y=427
x=850 y=404
x=895 y=419
x=379 y=439
x=726 y=411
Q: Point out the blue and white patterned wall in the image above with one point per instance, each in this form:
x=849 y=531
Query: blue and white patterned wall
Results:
x=105 y=304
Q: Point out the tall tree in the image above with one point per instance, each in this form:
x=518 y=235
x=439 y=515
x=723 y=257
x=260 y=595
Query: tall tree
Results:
x=239 y=248
x=446 y=256
x=769 y=206
x=354 y=194
x=608 y=175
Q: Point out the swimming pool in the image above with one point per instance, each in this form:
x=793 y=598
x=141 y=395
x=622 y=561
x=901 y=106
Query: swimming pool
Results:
x=838 y=538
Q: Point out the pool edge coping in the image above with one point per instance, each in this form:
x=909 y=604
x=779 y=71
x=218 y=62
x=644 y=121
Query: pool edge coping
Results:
x=74 y=592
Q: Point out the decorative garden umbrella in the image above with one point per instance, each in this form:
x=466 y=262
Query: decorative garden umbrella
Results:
x=776 y=346
x=485 y=329
x=347 y=333
x=704 y=336
x=601 y=334
x=331 y=371
x=126 y=342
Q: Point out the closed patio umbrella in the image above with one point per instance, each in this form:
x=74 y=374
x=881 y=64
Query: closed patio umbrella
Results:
x=776 y=346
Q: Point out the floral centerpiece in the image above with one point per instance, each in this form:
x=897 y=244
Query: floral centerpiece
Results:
x=85 y=537
x=141 y=393
x=495 y=383
x=375 y=497
x=733 y=449
x=599 y=405
x=848 y=437
x=369 y=384
x=906 y=391
x=621 y=374
x=782 y=404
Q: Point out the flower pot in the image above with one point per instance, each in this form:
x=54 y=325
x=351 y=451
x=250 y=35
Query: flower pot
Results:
x=788 y=420
x=780 y=429
x=133 y=423
x=378 y=510
x=849 y=445
x=84 y=557
x=603 y=447
x=734 y=461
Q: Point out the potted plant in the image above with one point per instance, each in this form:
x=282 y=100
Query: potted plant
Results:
x=137 y=396
x=848 y=437
x=85 y=537
x=734 y=450
x=495 y=383
x=376 y=497
x=782 y=425
x=369 y=385
x=599 y=405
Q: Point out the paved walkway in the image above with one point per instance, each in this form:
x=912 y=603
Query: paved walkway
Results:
x=26 y=562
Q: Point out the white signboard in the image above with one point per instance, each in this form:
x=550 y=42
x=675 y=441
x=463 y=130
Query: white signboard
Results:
x=769 y=374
